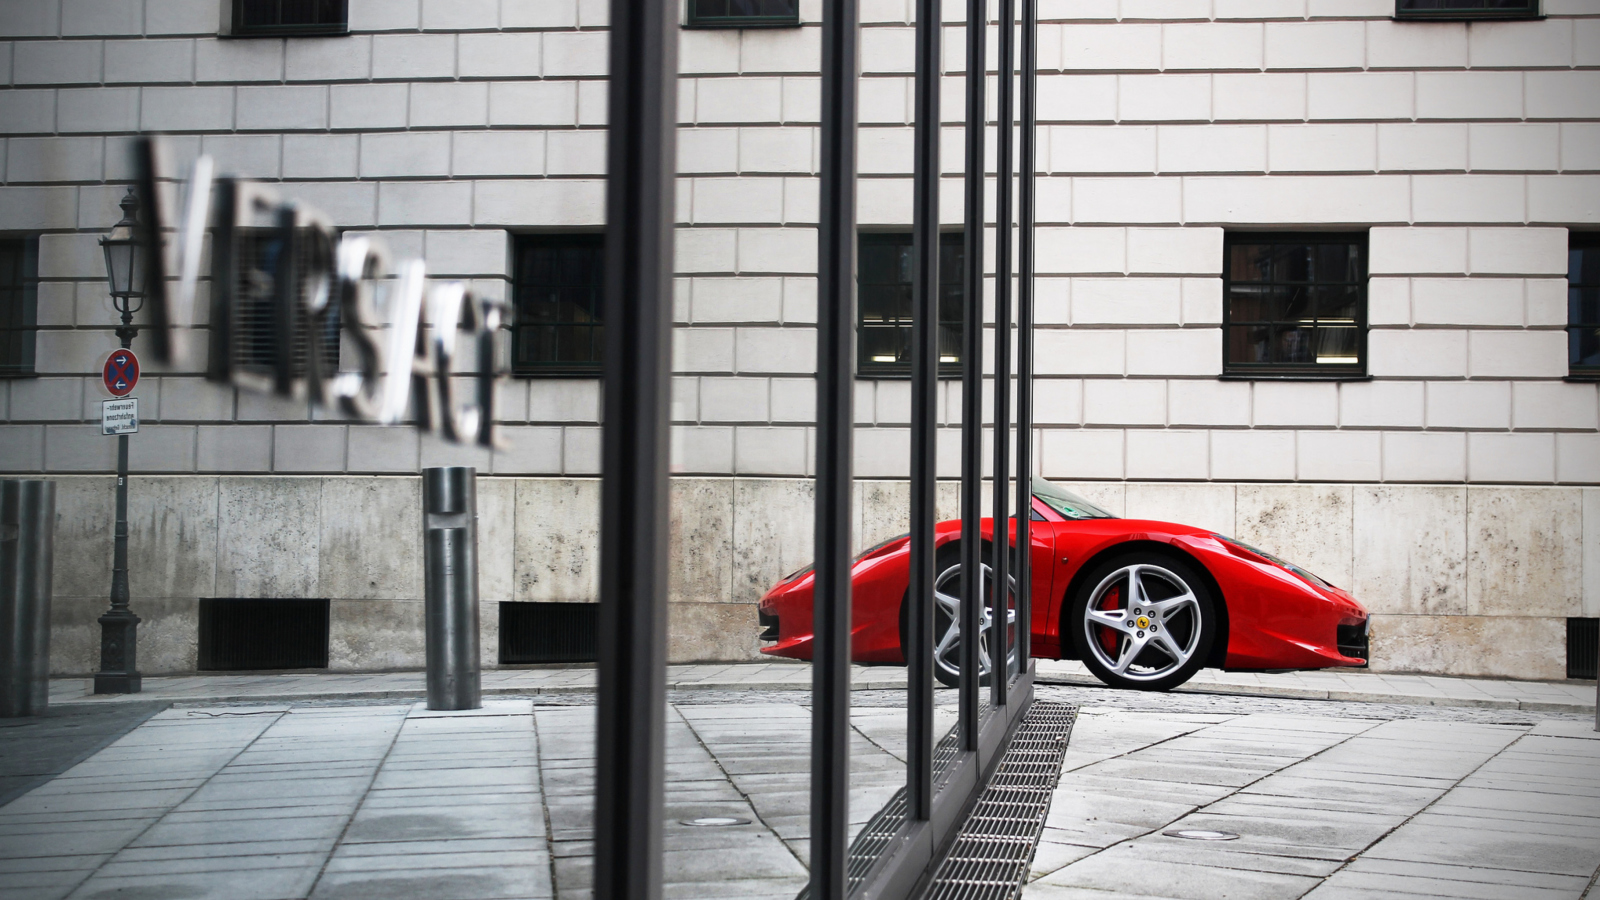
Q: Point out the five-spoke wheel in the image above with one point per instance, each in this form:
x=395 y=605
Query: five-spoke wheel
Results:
x=1143 y=620
x=947 y=588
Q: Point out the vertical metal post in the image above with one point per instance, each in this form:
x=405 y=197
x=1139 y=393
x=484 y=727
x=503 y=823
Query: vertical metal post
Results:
x=836 y=271
x=1025 y=215
x=972 y=376
x=119 y=627
x=924 y=412
x=27 y=554
x=450 y=586
x=999 y=644
x=637 y=306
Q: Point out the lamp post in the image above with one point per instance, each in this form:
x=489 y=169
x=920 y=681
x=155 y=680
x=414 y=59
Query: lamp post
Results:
x=125 y=272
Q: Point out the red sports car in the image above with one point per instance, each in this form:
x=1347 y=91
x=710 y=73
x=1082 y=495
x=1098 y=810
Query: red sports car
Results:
x=1143 y=604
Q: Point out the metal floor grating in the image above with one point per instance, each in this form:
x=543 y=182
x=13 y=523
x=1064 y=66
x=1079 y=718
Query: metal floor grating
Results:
x=990 y=856
x=876 y=834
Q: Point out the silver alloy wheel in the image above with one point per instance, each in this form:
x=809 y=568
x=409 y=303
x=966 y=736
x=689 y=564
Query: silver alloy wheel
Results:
x=1143 y=624
x=946 y=651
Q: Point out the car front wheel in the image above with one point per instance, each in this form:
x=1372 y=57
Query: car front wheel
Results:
x=1144 y=621
x=947 y=590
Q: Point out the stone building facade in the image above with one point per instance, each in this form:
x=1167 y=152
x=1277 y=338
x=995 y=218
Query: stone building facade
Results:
x=1453 y=484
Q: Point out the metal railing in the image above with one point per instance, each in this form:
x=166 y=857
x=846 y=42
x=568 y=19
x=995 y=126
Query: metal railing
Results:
x=633 y=587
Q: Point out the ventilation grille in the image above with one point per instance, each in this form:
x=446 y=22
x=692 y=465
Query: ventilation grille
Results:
x=991 y=854
x=547 y=632
x=263 y=634
x=1583 y=647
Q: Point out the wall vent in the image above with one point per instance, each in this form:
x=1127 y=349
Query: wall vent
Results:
x=251 y=634
x=1583 y=647
x=548 y=632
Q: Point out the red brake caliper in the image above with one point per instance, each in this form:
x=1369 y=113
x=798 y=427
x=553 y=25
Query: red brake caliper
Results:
x=1111 y=600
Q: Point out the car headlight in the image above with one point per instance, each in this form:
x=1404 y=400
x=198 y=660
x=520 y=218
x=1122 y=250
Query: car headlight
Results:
x=1280 y=563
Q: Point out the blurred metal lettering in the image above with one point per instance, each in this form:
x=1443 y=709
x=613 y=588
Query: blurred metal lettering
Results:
x=286 y=287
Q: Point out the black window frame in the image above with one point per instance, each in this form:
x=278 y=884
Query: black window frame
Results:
x=1297 y=371
x=19 y=306
x=522 y=364
x=1581 y=241
x=951 y=277
x=695 y=18
x=237 y=26
x=1464 y=10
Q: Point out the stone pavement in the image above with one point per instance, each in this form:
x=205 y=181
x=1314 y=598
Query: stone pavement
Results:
x=1324 y=807
x=390 y=800
x=1326 y=684
x=344 y=791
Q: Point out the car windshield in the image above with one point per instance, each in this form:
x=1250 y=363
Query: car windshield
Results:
x=1065 y=502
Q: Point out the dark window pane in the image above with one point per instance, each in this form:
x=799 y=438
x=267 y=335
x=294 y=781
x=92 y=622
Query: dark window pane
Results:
x=884 y=301
x=1294 y=303
x=18 y=305
x=559 y=278
x=1583 y=302
x=1468 y=7
x=290 y=16
x=743 y=13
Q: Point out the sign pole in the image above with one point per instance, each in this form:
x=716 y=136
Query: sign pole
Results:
x=119 y=627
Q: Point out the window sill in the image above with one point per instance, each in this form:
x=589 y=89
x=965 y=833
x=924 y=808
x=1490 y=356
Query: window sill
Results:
x=284 y=33
x=1582 y=377
x=1294 y=376
x=737 y=26
x=944 y=375
x=595 y=373
x=1458 y=16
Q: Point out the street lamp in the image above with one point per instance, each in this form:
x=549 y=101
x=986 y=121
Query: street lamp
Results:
x=125 y=273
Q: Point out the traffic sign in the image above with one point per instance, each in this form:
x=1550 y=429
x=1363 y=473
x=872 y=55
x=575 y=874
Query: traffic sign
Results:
x=121 y=374
x=119 y=416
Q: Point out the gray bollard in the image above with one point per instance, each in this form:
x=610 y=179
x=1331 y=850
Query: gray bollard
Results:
x=27 y=530
x=450 y=583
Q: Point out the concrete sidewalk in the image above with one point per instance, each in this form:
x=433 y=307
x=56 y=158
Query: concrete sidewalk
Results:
x=1321 y=807
x=1326 y=684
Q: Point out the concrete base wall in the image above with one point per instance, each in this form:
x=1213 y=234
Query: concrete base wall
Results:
x=1461 y=580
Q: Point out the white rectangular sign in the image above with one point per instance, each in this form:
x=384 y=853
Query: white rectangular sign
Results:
x=119 y=416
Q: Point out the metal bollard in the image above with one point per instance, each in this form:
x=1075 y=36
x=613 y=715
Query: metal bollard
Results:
x=27 y=530
x=450 y=583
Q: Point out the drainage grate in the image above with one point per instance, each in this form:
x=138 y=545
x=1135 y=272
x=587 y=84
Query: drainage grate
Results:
x=1583 y=647
x=548 y=632
x=250 y=634
x=990 y=856
x=874 y=837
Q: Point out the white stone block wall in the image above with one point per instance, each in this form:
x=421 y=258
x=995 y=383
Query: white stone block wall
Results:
x=1466 y=152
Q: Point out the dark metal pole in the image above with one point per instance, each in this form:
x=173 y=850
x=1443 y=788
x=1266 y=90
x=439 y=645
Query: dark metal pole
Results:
x=450 y=586
x=27 y=554
x=924 y=413
x=836 y=270
x=641 y=168
x=1025 y=216
x=119 y=627
x=972 y=377
x=999 y=644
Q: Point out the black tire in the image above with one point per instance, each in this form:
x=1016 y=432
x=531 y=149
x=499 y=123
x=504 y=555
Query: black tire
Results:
x=1161 y=646
x=945 y=579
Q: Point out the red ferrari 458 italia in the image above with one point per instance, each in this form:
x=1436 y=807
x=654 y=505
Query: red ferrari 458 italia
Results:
x=1143 y=604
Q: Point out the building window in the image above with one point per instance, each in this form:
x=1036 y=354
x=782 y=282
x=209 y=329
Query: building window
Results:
x=278 y=18
x=883 y=286
x=743 y=14
x=558 y=329
x=19 y=305
x=253 y=318
x=1466 y=9
x=1295 y=305
x=1583 y=304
